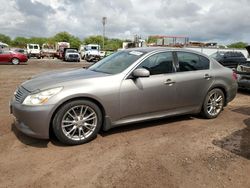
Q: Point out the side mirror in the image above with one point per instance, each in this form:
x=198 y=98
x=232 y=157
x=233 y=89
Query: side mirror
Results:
x=140 y=72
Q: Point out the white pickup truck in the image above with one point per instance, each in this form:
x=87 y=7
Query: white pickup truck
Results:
x=33 y=50
x=90 y=52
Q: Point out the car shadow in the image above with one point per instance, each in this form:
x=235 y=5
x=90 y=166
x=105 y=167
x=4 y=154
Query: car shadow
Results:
x=238 y=142
x=39 y=143
x=29 y=140
x=242 y=110
x=244 y=91
x=145 y=124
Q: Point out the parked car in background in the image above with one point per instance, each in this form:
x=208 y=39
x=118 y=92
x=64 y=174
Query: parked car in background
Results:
x=7 y=56
x=128 y=86
x=21 y=50
x=229 y=59
x=243 y=72
x=33 y=50
x=71 y=54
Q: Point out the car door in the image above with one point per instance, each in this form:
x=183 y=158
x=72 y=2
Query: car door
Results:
x=4 y=56
x=152 y=94
x=1 y=55
x=193 y=79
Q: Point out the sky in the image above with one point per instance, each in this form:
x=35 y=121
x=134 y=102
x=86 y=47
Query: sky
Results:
x=223 y=21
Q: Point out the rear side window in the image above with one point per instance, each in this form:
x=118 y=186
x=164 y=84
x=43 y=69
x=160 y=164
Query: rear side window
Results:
x=160 y=63
x=191 y=62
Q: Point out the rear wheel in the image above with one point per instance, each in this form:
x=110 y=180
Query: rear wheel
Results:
x=213 y=104
x=15 y=61
x=77 y=122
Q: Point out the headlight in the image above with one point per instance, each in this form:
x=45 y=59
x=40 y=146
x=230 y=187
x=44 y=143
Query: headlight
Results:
x=42 y=97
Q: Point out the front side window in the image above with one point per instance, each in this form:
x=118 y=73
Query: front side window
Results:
x=160 y=63
x=191 y=62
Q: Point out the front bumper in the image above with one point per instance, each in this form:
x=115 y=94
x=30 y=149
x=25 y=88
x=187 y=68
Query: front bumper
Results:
x=32 y=120
x=72 y=59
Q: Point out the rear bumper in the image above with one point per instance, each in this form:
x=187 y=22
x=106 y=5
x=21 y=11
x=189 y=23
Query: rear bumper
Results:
x=33 y=121
x=231 y=93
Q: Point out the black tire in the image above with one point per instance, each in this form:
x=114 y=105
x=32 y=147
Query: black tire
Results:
x=15 y=61
x=62 y=112
x=211 y=109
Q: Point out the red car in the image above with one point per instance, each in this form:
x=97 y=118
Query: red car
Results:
x=12 y=57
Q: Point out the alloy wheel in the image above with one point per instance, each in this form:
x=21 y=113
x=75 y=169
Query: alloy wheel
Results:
x=79 y=122
x=215 y=103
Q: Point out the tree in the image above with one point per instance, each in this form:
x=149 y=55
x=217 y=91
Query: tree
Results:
x=38 y=40
x=110 y=44
x=97 y=39
x=5 y=39
x=238 y=45
x=113 y=44
x=20 y=42
x=152 y=39
x=75 y=42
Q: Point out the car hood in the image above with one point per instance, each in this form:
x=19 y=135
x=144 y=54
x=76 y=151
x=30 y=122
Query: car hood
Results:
x=52 y=79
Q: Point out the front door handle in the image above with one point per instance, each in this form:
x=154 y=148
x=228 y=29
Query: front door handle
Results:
x=169 y=82
x=207 y=76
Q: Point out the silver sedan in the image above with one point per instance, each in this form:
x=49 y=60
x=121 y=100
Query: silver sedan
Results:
x=129 y=86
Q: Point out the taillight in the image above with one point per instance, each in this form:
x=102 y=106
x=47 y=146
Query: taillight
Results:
x=234 y=76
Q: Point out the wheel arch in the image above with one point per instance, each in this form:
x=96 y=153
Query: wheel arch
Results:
x=51 y=132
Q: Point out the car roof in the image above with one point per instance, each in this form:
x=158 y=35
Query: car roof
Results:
x=155 y=49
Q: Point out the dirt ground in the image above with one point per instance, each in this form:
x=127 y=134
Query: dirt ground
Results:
x=185 y=151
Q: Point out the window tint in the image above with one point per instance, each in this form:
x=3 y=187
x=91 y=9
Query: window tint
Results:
x=191 y=62
x=160 y=63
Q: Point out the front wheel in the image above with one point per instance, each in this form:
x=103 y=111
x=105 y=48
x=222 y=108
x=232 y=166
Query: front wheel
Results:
x=213 y=104
x=77 y=122
x=15 y=61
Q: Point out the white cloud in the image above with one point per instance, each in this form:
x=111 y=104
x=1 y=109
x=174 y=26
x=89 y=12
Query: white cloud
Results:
x=224 y=21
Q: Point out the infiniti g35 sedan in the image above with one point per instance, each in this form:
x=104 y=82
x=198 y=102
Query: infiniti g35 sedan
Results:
x=128 y=86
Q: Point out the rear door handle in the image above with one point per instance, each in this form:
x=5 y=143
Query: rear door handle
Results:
x=207 y=76
x=169 y=82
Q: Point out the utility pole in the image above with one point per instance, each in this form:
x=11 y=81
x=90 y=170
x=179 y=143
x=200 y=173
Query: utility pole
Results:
x=104 y=21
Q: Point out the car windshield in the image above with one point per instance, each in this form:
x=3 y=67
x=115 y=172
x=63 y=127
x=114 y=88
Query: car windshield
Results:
x=117 y=62
x=71 y=51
